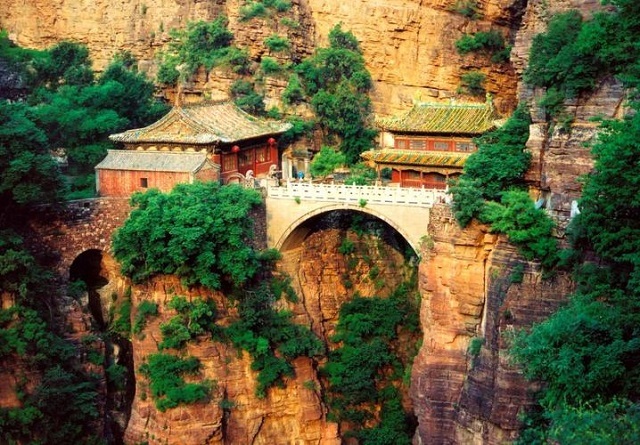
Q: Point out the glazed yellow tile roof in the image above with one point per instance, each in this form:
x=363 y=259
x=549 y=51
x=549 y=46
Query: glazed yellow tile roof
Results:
x=205 y=123
x=468 y=119
x=416 y=157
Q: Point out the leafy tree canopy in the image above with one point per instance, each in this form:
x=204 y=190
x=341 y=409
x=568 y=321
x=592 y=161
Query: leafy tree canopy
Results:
x=28 y=174
x=610 y=205
x=499 y=165
x=326 y=161
x=199 y=232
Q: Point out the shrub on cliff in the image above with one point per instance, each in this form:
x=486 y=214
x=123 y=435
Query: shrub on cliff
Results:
x=199 y=232
x=499 y=165
x=489 y=42
x=337 y=81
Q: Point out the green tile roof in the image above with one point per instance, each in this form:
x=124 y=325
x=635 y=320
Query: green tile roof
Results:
x=161 y=161
x=416 y=157
x=433 y=118
x=205 y=123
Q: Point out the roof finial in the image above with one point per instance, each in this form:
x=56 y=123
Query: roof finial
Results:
x=489 y=98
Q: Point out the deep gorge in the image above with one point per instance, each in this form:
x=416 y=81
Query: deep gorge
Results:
x=472 y=288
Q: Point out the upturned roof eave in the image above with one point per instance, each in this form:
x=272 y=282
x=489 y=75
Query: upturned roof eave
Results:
x=130 y=137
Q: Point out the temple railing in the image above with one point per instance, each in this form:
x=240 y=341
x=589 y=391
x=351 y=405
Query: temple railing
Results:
x=357 y=194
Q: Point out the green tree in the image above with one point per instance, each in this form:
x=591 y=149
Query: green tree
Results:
x=499 y=165
x=527 y=227
x=610 y=205
x=337 y=81
x=199 y=232
x=326 y=161
x=28 y=174
x=66 y=63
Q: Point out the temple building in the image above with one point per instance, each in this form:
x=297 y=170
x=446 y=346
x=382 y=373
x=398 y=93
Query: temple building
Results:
x=205 y=141
x=430 y=143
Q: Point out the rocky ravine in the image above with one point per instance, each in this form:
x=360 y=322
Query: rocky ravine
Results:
x=464 y=274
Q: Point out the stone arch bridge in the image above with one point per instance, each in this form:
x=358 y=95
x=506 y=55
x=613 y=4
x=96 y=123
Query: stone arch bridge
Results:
x=60 y=234
x=288 y=207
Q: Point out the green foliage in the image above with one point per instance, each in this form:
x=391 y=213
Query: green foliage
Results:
x=19 y=273
x=337 y=81
x=573 y=55
x=610 y=205
x=473 y=83
x=289 y=23
x=299 y=128
x=193 y=318
x=201 y=44
x=276 y=43
x=489 y=42
x=361 y=174
x=475 y=345
x=261 y=330
x=587 y=352
x=517 y=274
x=27 y=173
x=347 y=247
x=146 y=309
x=168 y=387
x=467 y=8
x=293 y=93
x=25 y=333
x=66 y=63
x=246 y=97
x=326 y=161
x=122 y=323
x=365 y=371
x=613 y=423
x=345 y=112
x=18 y=59
x=527 y=227
x=252 y=10
x=394 y=427
x=270 y=66
x=263 y=9
x=499 y=164
x=197 y=231
x=206 y=44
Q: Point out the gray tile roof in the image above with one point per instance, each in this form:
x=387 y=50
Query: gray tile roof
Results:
x=160 y=161
x=204 y=123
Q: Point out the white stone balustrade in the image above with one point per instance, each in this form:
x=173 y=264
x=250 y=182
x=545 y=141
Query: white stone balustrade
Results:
x=420 y=197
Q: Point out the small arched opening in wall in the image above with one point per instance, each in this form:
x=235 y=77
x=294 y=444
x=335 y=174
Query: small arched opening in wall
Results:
x=89 y=272
x=94 y=278
x=301 y=228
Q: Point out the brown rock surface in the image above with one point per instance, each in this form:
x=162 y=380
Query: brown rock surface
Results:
x=408 y=45
x=233 y=415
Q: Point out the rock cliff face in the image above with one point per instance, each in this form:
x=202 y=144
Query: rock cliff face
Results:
x=233 y=414
x=460 y=395
x=408 y=45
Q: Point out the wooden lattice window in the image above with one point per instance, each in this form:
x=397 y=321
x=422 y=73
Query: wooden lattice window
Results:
x=441 y=146
x=245 y=159
x=402 y=144
x=263 y=154
x=229 y=162
x=418 y=144
x=464 y=147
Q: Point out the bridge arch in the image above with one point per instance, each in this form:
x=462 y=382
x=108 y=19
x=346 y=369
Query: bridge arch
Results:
x=297 y=231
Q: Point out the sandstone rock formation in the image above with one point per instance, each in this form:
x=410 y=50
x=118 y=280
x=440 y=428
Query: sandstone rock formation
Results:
x=467 y=295
x=408 y=45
